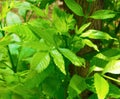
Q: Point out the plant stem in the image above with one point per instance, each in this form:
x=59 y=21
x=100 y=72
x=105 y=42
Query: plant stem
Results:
x=108 y=77
x=9 y=54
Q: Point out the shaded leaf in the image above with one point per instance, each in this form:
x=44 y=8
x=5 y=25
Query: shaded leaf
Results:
x=114 y=91
x=42 y=29
x=78 y=84
x=59 y=61
x=101 y=86
x=75 y=7
x=93 y=96
x=45 y=2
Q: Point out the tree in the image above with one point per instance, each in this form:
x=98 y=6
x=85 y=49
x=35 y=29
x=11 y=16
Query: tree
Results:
x=37 y=46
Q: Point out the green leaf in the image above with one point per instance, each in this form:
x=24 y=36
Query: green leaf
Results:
x=38 y=11
x=114 y=91
x=62 y=21
x=82 y=28
x=101 y=86
x=59 y=61
x=90 y=1
x=72 y=57
x=53 y=86
x=78 y=84
x=42 y=29
x=5 y=9
x=90 y=44
x=112 y=67
x=40 y=61
x=43 y=3
x=23 y=8
x=34 y=45
x=25 y=52
x=95 y=34
x=34 y=79
x=111 y=54
x=93 y=96
x=12 y=19
x=75 y=7
x=103 y=14
x=21 y=30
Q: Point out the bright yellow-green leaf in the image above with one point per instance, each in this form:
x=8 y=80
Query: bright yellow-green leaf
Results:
x=82 y=28
x=96 y=34
x=89 y=43
x=112 y=67
x=101 y=86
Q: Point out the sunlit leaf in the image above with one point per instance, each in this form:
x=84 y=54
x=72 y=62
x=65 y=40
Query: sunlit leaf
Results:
x=112 y=67
x=72 y=57
x=21 y=30
x=5 y=9
x=23 y=8
x=96 y=34
x=89 y=43
x=40 y=61
x=59 y=61
x=101 y=86
x=75 y=7
x=82 y=28
x=12 y=18
x=103 y=14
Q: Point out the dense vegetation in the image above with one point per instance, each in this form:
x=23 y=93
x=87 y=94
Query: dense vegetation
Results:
x=39 y=42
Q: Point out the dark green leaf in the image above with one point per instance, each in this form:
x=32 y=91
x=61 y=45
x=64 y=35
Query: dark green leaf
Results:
x=45 y=2
x=114 y=91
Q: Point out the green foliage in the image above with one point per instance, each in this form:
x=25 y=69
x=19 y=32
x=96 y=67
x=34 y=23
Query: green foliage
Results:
x=38 y=46
x=101 y=86
x=103 y=14
x=75 y=7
